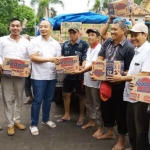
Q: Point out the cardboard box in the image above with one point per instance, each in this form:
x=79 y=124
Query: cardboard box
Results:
x=120 y=7
x=16 y=67
x=66 y=25
x=68 y=65
x=141 y=90
x=101 y=69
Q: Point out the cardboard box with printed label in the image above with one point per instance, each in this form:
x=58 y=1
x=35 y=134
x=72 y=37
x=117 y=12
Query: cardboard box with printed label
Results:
x=141 y=90
x=120 y=7
x=68 y=65
x=16 y=67
x=101 y=69
x=66 y=25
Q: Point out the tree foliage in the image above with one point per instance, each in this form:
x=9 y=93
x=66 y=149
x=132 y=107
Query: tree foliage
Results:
x=13 y=9
x=44 y=6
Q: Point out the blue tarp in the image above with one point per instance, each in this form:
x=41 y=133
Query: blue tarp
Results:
x=86 y=17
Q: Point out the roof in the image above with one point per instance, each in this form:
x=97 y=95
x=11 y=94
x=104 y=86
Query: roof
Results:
x=139 y=10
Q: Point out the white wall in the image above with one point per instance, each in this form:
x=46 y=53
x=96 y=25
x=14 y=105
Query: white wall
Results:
x=139 y=19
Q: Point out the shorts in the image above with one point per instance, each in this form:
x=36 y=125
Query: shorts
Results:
x=70 y=85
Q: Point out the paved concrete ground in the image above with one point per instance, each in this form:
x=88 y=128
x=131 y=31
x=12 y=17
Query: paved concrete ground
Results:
x=66 y=136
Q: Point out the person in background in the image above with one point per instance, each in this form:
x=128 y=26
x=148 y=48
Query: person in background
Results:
x=44 y=52
x=114 y=109
x=137 y=118
x=75 y=46
x=28 y=86
x=13 y=46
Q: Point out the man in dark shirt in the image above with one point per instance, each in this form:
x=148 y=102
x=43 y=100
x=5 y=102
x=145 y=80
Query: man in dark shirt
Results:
x=114 y=110
x=73 y=47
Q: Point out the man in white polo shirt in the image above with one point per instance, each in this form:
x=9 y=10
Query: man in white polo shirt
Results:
x=13 y=46
x=137 y=118
x=43 y=51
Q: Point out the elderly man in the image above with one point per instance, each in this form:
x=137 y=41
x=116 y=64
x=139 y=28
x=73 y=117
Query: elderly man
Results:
x=43 y=51
x=13 y=46
x=114 y=110
x=137 y=118
x=75 y=46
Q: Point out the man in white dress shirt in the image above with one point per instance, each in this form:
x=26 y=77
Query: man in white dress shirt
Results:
x=44 y=52
x=13 y=46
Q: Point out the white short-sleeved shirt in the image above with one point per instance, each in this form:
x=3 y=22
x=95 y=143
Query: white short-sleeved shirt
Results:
x=46 y=49
x=92 y=55
x=9 y=48
x=139 y=63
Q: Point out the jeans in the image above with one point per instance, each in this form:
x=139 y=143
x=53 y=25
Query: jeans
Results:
x=43 y=91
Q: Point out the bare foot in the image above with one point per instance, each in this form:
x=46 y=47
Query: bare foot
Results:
x=120 y=143
x=98 y=133
x=107 y=135
x=80 y=119
x=64 y=118
x=89 y=124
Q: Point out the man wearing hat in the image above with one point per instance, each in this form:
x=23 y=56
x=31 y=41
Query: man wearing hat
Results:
x=137 y=118
x=75 y=46
x=114 y=109
x=92 y=102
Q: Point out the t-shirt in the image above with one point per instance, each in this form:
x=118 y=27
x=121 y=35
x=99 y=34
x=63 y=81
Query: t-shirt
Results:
x=92 y=55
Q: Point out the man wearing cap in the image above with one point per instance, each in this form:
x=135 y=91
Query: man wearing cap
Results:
x=92 y=102
x=44 y=52
x=137 y=118
x=114 y=109
x=75 y=46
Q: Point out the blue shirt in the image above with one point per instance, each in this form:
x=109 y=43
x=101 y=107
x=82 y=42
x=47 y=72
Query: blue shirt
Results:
x=79 y=48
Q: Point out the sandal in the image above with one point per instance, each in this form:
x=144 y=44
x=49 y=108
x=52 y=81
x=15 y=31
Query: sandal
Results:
x=50 y=124
x=34 y=130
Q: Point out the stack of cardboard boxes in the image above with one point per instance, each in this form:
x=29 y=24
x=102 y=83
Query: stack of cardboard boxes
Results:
x=62 y=35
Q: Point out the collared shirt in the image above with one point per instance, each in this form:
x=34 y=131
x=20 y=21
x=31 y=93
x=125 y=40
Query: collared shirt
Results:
x=122 y=52
x=112 y=50
x=80 y=49
x=92 y=55
x=9 y=48
x=139 y=63
x=47 y=49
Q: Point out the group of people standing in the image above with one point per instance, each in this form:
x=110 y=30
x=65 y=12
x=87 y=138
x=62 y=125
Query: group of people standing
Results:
x=130 y=116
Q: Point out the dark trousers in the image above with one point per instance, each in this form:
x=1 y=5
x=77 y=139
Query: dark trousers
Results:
x=138 y=124
x=28 y=90
x=114 y=111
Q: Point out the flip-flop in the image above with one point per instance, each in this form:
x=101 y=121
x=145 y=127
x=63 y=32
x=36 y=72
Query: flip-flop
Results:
x=62 y=120
x=50 y=124
x=79 y=124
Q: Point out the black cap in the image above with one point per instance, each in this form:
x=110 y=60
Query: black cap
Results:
x=93 y=30
x=74 y=28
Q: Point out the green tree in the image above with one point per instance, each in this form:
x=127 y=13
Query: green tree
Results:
x=12 y=8
x=44 y=6
x=24 y=12
x=97 y=5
